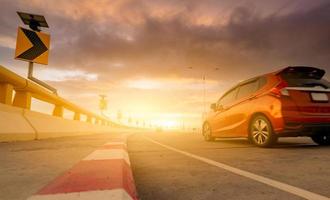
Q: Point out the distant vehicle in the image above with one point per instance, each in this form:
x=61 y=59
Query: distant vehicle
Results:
x=288 y=103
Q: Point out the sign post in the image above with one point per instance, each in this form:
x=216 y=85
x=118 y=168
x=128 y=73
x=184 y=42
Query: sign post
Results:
x=33 y=45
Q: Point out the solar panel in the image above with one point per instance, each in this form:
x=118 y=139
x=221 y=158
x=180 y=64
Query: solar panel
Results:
x=34 y=21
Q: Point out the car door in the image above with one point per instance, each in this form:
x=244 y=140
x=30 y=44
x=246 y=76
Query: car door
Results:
x=237 y=114
x=219 y=118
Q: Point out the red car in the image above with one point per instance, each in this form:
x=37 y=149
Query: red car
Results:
x=288 y=103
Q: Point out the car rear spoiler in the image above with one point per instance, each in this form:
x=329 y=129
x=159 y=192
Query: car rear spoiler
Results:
x=309 y=89
x=301 y=72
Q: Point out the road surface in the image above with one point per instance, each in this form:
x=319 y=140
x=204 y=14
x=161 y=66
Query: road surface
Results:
x=165 y=172
x=178 y=166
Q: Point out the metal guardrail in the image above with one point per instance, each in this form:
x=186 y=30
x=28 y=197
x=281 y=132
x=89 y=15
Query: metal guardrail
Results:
x=25 y=90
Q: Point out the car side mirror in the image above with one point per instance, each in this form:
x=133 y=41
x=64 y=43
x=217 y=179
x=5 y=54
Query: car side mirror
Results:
x=220 y=107
x=213 y=106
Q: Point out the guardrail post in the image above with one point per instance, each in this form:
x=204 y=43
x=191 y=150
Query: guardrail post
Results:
x=6 y=93
x=76 y=116
x=22 y=99
x=58 y=111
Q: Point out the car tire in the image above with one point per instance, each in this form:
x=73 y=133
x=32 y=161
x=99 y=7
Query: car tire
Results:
x=207 y=132
x=261 y=132
x=321 y=139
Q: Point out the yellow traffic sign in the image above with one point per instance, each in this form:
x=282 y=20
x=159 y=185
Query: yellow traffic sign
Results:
x=32 y=46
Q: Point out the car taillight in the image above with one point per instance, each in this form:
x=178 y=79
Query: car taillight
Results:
x=280 y=89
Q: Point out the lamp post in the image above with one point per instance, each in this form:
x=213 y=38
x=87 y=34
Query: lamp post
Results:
x=204 y=89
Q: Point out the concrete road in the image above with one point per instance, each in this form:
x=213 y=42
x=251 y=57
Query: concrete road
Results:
x=178 y=166
x=183 y=166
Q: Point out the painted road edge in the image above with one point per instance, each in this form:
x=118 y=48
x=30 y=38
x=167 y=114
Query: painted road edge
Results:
x=104 y=174
x=272 y=183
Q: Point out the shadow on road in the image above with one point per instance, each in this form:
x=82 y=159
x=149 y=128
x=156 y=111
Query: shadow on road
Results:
x=281 y=144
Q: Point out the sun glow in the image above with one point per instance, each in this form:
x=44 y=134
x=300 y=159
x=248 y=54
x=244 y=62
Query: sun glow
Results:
x=154 y=120
x=166 y=123
x=144 y=84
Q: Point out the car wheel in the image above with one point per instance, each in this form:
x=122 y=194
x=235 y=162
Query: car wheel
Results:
x=321 y=139
x=207 y=132
x=261 y=132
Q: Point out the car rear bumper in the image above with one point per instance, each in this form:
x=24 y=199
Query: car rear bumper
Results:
x=305 y=126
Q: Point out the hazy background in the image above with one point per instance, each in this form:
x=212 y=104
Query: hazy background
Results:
x=149 y=57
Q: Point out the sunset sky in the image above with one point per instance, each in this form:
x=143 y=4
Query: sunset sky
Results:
x=149 y=57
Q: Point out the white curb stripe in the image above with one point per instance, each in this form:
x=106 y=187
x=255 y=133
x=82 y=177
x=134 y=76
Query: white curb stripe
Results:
x=117 y=194
x=108 y=154
x=116 y=143
x=276 y=184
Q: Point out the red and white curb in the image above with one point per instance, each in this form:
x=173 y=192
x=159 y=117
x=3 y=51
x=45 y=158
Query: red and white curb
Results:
x=104 y=174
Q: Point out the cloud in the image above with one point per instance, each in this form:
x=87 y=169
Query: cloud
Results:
x=57 y=75
x=125 y=46
x=183 y=84
x=6 y=41
x=161 y=38
x=163 y=45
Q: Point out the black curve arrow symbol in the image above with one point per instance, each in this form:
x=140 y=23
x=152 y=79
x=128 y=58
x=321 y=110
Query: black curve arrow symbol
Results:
x=36 y=50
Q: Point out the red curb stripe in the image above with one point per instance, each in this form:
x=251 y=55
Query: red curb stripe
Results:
x=94 y=175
